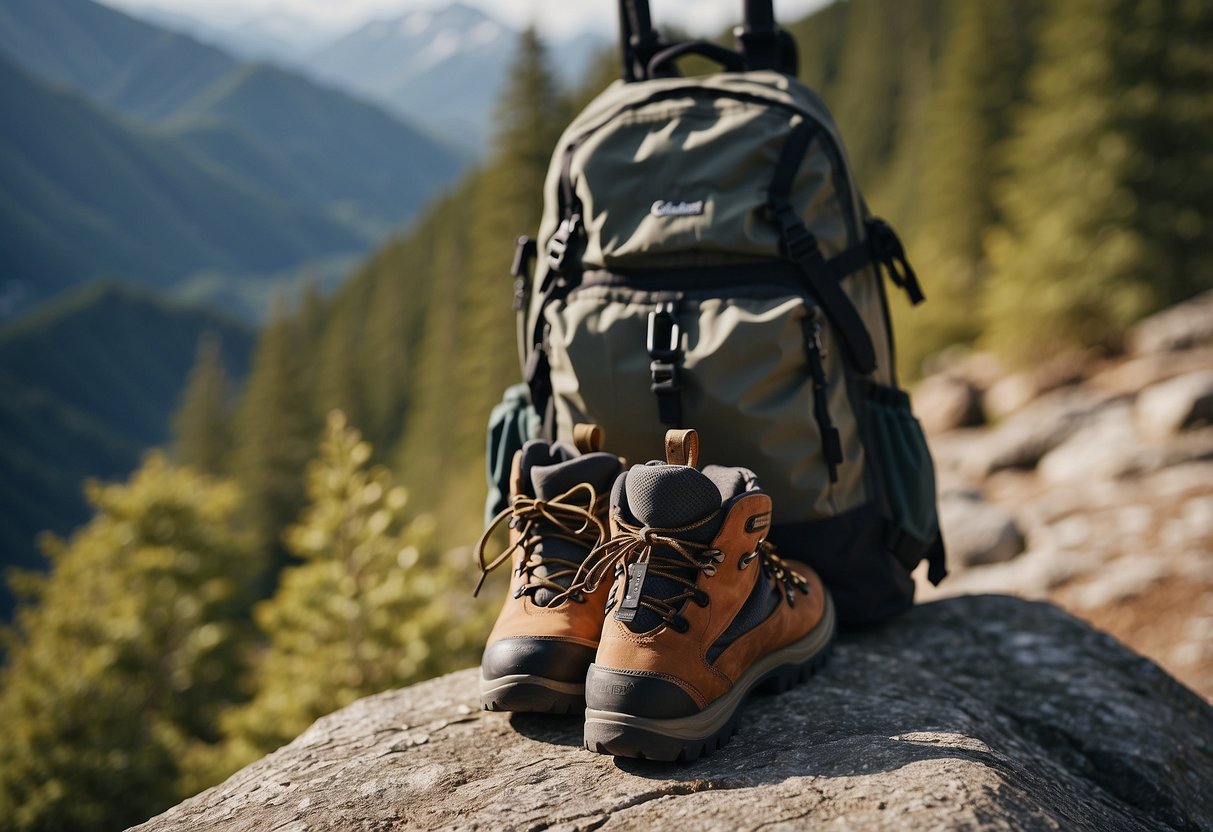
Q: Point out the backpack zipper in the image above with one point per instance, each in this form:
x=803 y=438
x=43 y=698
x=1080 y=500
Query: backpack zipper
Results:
x=831 y=442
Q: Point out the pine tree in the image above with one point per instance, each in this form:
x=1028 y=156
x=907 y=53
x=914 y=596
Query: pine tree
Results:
x=364 y=611
x=338 y=380
x=981 y=85
x=274 y=429
x=202 y=423
x=393 y=321
x=469 y=333
x=128 y=655
x=1109 y=204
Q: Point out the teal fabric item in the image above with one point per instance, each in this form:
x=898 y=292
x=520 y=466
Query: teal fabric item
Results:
x=904 y=461
x=511 y=423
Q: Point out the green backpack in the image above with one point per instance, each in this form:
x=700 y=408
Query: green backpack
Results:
x=707 y=261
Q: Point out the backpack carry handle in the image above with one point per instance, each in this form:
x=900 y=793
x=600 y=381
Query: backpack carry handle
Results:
x=761 y=44
x=727 y=58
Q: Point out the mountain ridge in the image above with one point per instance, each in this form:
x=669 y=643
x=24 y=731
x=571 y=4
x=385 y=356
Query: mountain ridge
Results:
x=87 y=195
x=444 y=67
x=84 y=396
x=298 y=150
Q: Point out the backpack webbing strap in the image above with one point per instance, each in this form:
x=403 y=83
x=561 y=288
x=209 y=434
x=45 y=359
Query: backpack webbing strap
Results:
x=664 y=344
x=800 y=246
x=883 y=248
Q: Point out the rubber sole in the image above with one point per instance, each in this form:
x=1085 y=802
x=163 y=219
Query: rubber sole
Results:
x=688 y=738
x=531 y=694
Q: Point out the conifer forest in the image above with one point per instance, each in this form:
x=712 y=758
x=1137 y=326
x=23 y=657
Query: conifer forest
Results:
x=297 y=533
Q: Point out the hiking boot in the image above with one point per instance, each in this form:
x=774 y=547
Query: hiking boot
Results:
x=702 y=612
x=547 y=633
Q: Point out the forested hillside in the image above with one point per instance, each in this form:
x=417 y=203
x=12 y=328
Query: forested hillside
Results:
x=86 y=195
x=84 y=395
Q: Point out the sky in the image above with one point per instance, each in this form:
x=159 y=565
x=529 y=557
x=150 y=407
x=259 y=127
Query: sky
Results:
x=552 y=16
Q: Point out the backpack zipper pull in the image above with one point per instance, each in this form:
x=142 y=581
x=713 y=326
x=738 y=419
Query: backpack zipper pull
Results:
x=831 y=442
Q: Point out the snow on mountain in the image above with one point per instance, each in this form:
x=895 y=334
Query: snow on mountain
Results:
x=441 y=67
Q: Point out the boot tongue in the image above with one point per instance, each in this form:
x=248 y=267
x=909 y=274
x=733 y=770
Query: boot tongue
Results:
x=537 y=454
x=670 y=497
x=597 y=469
x=549 y=481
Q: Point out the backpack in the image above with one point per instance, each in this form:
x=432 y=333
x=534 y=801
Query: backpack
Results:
x=705 y=259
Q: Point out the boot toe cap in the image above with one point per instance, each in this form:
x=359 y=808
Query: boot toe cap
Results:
x=636 y=694
x=562 y=661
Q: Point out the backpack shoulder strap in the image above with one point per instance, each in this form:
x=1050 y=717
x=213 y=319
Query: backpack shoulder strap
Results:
x=800 y=246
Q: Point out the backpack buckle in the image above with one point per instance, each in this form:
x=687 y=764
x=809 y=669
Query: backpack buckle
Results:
x=799 y=244
x=665 y=336
x=665 y=377
x=558 y=246
x=664 y=347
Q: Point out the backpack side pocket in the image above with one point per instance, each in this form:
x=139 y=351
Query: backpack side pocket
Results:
x=512 y=422
x=905 y=478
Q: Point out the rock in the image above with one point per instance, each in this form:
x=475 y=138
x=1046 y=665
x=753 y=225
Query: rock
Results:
x=1120 y=580
x=945 y=402
x=1136 y=374
x=1021 y=440
x=1105 y=449
x=1172 y=406
x=1008 y=395
x=976 y=532
x=1035 y=575
x=980 y=369
x=981 y=712
x=1181 y=327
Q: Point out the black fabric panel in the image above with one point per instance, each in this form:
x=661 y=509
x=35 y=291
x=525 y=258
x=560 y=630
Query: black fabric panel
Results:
x=637 y=694
x=868 y=583
x=560 y=661
x=763 y=600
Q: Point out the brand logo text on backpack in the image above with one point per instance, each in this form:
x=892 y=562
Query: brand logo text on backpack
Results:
x=669 y=208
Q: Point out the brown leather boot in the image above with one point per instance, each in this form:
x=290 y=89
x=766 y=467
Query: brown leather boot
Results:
x=547 y=632
x=702 y=612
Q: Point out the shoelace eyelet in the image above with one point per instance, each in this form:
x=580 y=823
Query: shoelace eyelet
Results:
x=747 y=560
x=702 y=598
x=680 y=624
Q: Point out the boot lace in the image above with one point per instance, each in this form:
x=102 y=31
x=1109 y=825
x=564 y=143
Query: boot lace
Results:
x=574 y=516
x=635 y=546
x=791 y=580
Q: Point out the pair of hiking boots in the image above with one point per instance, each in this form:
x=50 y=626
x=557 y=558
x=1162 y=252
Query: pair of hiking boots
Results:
x=658 y=608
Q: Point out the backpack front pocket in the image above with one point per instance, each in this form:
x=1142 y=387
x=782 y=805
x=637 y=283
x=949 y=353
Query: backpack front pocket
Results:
x=736 y=360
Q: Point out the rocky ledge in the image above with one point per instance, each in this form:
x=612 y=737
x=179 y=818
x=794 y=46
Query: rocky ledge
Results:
x=1087 y=481
x=977 y=712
